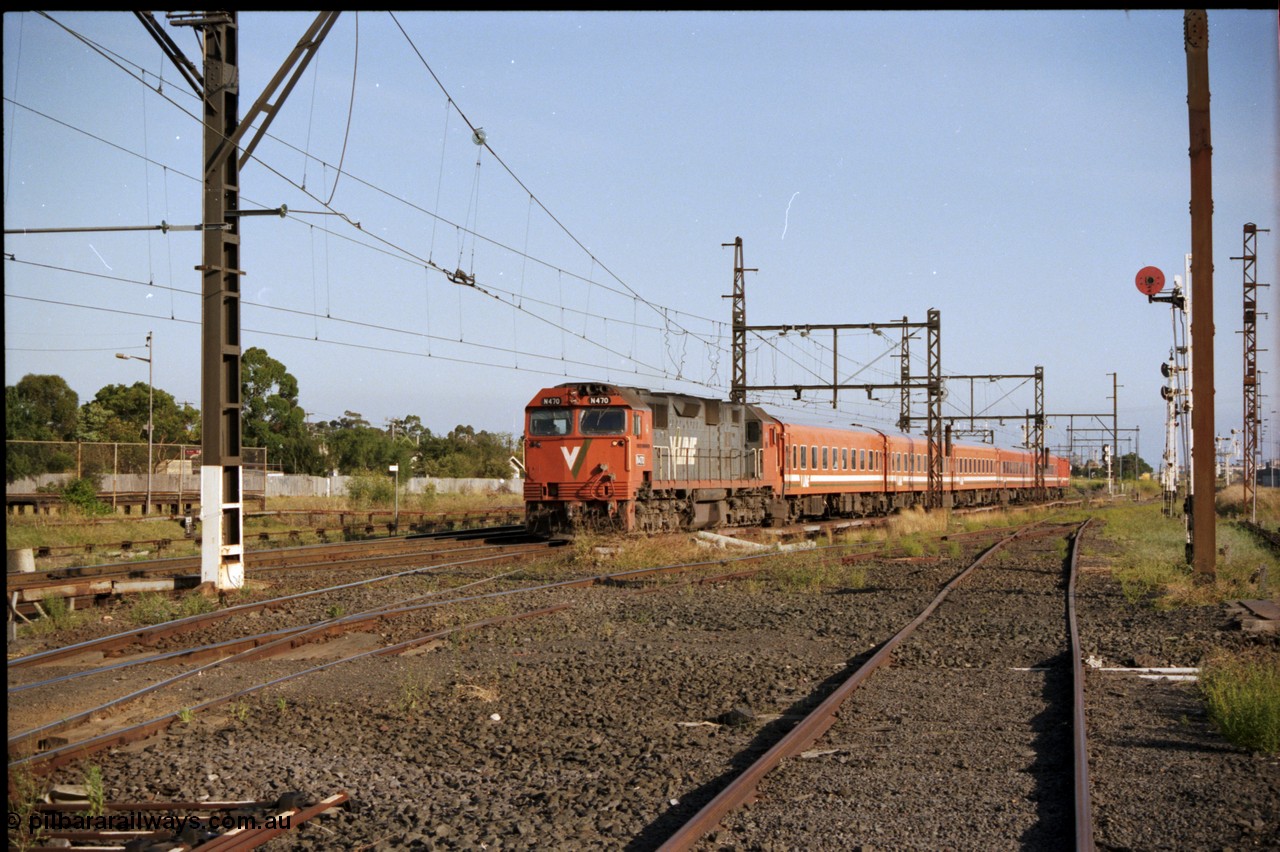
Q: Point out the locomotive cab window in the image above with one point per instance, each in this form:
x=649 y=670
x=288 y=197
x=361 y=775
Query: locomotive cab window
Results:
x=550 y=421
x=603 y=421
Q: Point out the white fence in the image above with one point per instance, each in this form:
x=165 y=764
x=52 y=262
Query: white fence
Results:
x=298 y=485
x=277 y=485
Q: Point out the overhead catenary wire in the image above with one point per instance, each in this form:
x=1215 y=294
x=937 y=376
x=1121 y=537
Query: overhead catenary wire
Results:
x=139 y=76
x=672 y=322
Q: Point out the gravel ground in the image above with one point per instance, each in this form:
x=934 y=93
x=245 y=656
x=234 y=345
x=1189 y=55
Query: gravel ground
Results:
x=609 y=724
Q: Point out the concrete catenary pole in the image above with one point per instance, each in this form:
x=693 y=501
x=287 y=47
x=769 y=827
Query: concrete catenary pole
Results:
x=1203 y=530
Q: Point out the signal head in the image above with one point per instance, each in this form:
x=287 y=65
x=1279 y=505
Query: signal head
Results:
x=1150 y=280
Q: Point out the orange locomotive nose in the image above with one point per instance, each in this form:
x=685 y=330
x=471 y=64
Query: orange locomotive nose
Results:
x=579 y=455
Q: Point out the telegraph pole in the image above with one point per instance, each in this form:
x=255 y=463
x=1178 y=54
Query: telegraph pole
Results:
x=1203 y=519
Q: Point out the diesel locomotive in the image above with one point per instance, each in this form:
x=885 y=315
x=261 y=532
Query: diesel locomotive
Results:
x=599 y=457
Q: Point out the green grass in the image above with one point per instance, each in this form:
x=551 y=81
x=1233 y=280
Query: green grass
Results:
x=1243 y=695
x=58 y=615
x=155 y=608
x=1151 y=561
x=95 y=790
x=26 y=791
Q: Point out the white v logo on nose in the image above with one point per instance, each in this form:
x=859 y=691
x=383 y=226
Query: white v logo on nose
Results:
x=570 y=455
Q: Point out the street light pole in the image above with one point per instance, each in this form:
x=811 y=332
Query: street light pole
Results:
x=151 y=430
x=395 y=469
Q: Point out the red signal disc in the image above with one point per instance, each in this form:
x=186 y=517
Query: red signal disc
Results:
x=1150 y=281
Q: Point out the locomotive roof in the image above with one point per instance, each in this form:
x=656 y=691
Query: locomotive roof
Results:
x=642 y=397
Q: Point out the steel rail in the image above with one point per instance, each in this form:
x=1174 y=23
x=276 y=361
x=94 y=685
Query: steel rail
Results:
x=813 y=726
x=232 y=646
x=75 y=751
x=92 y=591
x=259 y=560
x=251 y=838
x=259 y=650
x=310 y=633
x=146 y=635
x=1080 y=745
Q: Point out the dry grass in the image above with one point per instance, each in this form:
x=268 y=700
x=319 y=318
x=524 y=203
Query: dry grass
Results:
x=1152 y=564
x=1230 y=504
x=485 y=694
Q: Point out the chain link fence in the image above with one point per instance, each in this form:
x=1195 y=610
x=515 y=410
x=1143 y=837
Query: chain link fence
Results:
x=46 y=467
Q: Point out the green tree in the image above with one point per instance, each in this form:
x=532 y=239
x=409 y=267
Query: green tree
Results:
x=466 y=453
x=272 y=417
x=121 y=413
x=356 y=448
x=1132 y=466
x=40 y=408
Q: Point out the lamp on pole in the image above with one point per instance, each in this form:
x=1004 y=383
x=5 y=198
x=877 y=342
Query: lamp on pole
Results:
x=146 y=508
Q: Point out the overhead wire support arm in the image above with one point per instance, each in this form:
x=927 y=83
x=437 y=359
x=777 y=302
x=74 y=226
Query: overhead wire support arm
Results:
x=163 y=226
x=267 y=104
x=185 y=66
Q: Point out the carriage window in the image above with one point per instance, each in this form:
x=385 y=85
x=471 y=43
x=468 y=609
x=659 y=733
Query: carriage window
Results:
x=813 y=457
x=550 y=421
x=753 y=431
x=803 y=460
x=603 y=421
x=637 y=423
x=824 y=458
x=844 y=458
x=861 y=459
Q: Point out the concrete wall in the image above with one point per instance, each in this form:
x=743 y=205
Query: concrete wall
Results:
x=276 y=485
x=295 y=485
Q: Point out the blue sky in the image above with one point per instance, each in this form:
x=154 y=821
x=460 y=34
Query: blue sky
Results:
x=1013 y=170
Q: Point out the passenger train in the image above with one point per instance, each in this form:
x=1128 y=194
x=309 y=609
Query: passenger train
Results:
x=599 y=457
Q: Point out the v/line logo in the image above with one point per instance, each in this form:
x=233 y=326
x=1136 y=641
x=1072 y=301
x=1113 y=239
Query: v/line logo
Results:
x=575 y=456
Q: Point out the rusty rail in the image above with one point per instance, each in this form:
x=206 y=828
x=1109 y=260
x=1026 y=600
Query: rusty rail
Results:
x=813 y=726
x=1080 y=745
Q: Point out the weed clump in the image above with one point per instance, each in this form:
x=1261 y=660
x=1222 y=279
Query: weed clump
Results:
x=1243 y=695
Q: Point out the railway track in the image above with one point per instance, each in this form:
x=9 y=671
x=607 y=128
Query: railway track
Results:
x=972 y=679
x=104 y=583
x=591 y=705
x=51 y=751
